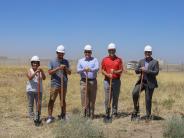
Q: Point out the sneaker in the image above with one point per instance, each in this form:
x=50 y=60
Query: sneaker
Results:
x=135 y=115
x=114 y=115
x=148 y=117
x=63 y=117
x=49 y=120
x=31 y=116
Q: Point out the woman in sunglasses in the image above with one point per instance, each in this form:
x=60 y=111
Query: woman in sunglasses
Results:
x=32 y=85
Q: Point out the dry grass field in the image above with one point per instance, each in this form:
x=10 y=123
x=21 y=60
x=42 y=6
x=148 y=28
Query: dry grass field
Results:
x=167 y=101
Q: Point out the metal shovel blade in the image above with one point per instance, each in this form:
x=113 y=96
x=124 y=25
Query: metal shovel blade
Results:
x=107 y=119
x=135 y=117
x=37 y=122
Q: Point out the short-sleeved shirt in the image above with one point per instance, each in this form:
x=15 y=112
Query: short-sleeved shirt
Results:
x=109 y=63
x=56 y=77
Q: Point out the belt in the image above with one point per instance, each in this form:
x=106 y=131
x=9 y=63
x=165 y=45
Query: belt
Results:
x=107 y=79
x=84 y=79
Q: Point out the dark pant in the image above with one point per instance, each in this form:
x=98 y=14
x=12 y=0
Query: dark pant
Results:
x=148 y=97
x=116 y=84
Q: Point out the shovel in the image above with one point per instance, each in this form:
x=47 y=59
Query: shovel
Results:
x=38 y=121
x=134 y=116
x=86 y=94
x=62 y=95
x=108 y=118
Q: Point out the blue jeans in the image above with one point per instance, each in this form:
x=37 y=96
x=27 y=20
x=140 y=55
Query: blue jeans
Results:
x=116 y=83
x=33 y=96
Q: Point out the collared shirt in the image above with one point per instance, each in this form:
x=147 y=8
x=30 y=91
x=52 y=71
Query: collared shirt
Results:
x=109 y=63
x=56 y=77
x=146 y=64
x=91 y=63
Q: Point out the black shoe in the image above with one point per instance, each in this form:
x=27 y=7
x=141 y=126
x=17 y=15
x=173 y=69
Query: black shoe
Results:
x=61 y=116
x=114 y=115
x=148 y=117
x=135 y=115
x=37 y=122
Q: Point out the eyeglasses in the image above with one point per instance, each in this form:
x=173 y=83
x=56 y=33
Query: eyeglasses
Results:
x=111 y=50
x=148 y=52
x=35 y=62
x=87 y=52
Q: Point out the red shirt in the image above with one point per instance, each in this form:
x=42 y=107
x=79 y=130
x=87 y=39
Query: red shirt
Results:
x=109 y=63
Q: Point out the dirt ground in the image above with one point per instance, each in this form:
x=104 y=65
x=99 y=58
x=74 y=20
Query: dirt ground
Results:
x=167 y=100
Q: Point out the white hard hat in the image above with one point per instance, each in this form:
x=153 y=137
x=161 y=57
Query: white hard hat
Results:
x=60 y=49
x=111 y=46
x=88 y=47
x=148 y=48
x=35 y=58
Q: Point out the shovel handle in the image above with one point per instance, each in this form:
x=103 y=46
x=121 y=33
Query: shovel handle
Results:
x=86 y=91
x=110 y=93
x=62 y=89
x=38 y=104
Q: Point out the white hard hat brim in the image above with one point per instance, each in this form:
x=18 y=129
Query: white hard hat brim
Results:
x=60 y=51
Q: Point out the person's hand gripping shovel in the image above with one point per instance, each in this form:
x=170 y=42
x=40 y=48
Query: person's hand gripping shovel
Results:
x=38 y=121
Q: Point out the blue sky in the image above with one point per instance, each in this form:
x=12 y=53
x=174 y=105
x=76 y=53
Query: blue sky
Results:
x=36 y=27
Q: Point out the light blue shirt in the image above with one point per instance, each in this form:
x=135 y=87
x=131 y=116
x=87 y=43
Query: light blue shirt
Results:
x=91 y=63
x=146 y=64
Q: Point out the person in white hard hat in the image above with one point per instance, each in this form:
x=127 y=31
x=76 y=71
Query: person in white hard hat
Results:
x=58 y=67
x=149 y=68
x=88 y=67
x=32 y=86
x=112 y=68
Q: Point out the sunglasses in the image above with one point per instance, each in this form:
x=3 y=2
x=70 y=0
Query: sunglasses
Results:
x=87 y=51
x=148 y=52
x=111 y=50
x=35 y=62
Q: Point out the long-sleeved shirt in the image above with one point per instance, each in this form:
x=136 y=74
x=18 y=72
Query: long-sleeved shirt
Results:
x=91 y=63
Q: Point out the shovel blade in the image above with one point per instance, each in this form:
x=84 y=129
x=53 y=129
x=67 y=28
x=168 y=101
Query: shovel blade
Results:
x=135 y=117
x=37 y=122
x=107 y=119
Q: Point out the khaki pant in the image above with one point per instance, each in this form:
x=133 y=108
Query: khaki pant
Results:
x=90 y=97
x=53 y=95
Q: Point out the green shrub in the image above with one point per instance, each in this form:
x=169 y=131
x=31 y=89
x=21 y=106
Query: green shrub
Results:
x=77 y=127
x=174 y=127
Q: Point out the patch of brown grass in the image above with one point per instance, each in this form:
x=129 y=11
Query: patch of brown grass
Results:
x=13 y=105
